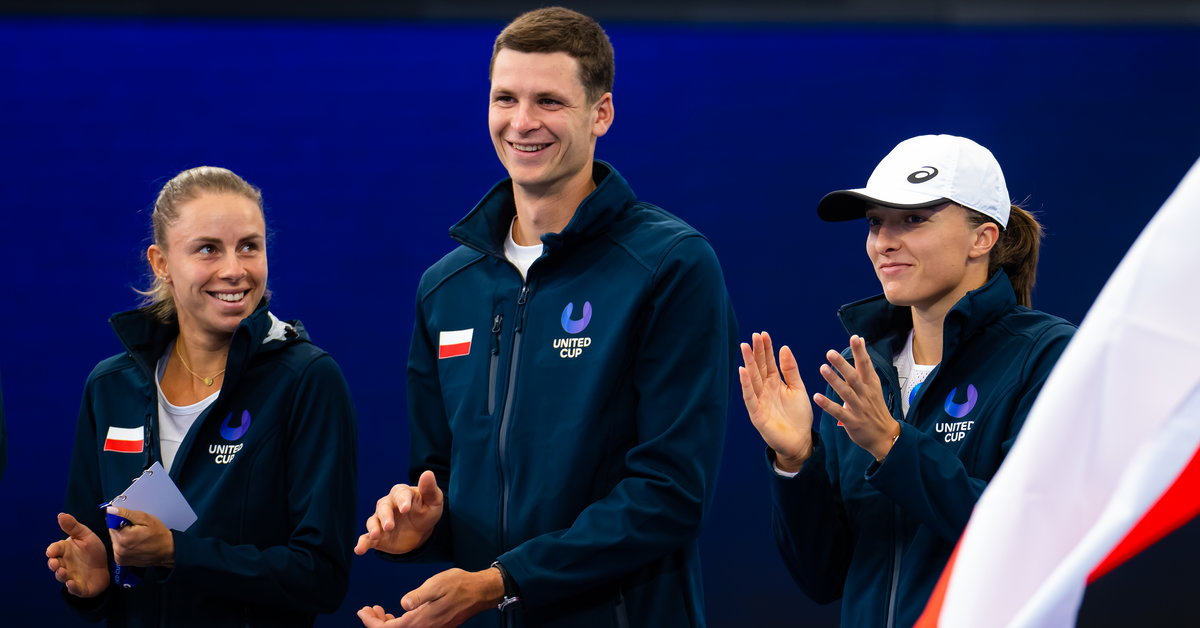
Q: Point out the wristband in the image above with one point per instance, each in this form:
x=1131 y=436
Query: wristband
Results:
x=510 y=590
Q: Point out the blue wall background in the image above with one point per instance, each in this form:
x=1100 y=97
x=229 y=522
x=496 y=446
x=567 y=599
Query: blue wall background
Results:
x=370 y=139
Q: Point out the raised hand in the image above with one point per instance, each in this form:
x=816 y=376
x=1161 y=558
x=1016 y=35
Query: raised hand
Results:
x=78 y=561
x=404 y=518
x=863 y=413
x=779 y=407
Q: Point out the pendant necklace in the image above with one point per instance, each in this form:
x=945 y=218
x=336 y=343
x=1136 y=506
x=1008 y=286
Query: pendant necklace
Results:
x=208 y=381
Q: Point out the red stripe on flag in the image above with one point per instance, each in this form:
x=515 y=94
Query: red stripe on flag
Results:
x=453 y=351
x=933 y=608
x=124 y=446
x=1179 y=504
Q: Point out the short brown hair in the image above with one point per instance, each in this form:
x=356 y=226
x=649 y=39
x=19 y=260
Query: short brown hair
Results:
x=183 y=187
x=556 y=29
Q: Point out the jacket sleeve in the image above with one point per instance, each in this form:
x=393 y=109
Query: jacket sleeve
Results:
x=929 y=481
x=810 y=525
x=681 y=378
x=310 y=574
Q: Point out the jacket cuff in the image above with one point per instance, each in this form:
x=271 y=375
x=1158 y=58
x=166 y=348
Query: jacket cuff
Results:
x=816 y=460
x=516 y=570
x=182 y=559
x=92 y=609
x=902 y=456
x=789 y=490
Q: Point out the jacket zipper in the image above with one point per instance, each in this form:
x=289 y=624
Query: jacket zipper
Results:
x=897 y=548
x=161 y=595
x=897 y=555
x=622 y=613
x=148 y=440
x=494 y=364
x=502 y=441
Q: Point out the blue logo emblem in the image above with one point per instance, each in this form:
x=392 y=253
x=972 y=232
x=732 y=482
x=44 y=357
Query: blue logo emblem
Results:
x=913 y=393
x=229 y=432
x=960 y=410
x=574 y=327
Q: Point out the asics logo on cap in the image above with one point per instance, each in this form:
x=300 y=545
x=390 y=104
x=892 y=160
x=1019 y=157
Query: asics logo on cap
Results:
x=924 y=174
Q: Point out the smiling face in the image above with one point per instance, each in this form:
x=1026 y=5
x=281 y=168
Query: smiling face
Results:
x=928 y=258
x=214 y=262
x=543 y=127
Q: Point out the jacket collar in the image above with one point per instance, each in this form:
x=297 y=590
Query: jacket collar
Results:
x=146 y=338
x=486 y=226
x=881 y=322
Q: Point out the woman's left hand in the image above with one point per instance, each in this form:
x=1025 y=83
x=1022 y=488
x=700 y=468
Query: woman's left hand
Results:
x=146 y=542
x=78 y=561
x=863 y=412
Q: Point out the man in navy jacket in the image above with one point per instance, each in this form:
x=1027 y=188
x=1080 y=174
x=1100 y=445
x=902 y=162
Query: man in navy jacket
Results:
x=568 y=375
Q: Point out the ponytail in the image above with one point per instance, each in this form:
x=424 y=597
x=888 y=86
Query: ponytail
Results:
x=1016 y=251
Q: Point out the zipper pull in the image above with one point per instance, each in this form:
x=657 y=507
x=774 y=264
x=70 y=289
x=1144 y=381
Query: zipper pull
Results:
x=521 y=299
x=147 y=441
x=496 y=333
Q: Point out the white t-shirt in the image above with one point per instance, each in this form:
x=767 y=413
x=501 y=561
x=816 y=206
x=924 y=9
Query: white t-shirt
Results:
x=911 y=374
x=175 y=421
x=521 y=256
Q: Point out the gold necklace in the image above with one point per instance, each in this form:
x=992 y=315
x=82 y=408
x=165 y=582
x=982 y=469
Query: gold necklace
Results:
x=208 y=381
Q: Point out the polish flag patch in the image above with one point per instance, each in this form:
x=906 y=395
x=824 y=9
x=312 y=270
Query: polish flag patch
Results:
x=124 y=439
x=452 y=344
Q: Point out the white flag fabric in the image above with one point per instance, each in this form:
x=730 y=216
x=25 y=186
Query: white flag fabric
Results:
x=1116 y=422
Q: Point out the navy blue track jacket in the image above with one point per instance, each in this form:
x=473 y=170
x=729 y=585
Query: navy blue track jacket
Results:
x=575 y=420
x=269 y=469
x=877 y=535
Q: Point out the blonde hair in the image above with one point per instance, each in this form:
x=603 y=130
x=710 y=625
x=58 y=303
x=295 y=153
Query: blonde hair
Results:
x=183 y=187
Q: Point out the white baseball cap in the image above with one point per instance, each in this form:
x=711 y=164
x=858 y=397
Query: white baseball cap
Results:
x=926 y=171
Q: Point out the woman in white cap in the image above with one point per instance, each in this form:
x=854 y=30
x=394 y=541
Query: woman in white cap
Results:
x=870 y=499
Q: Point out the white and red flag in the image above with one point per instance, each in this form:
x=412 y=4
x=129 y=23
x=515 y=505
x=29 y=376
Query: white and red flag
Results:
x=452 y=344
x=1107 y=460
x=124 y=439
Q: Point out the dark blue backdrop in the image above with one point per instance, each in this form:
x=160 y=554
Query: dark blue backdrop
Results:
x=370 y=139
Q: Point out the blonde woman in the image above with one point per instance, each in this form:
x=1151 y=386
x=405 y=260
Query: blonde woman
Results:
x=251 y=420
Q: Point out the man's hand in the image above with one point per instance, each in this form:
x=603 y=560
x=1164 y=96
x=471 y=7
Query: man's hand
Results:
x=146 y=542
x=404 y=518
x=78 y=561
x=778 y=408
x=445 y=600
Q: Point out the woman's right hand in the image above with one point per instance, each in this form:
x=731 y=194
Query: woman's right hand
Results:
x=779 y=408
x=78 y=561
